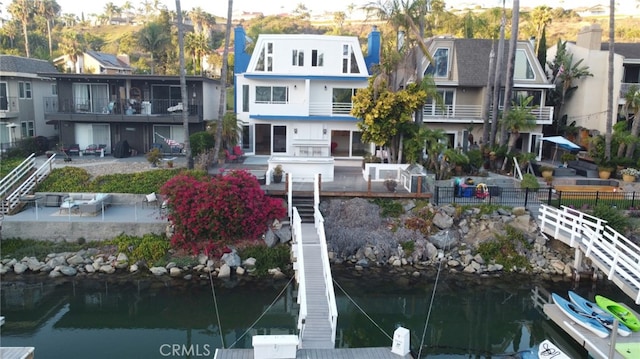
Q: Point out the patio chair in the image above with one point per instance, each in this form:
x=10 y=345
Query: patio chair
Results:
x=91 y=149
x=230 y=157
x=74 y=149
x=151 y=200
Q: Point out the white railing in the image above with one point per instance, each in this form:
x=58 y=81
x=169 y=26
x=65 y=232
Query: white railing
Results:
x=464 y=113
x=298 y=266
x=12 y=180
x=326 y=267
x=619 y=256
x=330 y=109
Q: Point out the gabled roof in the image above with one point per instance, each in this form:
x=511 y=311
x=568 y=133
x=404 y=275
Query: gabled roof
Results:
x=108 y=60
x=626 y=49
x=17 y=64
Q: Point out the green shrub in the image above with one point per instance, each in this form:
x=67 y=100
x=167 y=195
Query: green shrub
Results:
x=66 y=179
x=389 y=207
x=529 y=181
x=504 y=249
x=200 y=142
x=614 y=217
x=150 y=248
x=267 y=258
x=408 y=247
x=7 y=165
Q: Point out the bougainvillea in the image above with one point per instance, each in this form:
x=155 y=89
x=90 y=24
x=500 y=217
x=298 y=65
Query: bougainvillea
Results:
x=211 y=213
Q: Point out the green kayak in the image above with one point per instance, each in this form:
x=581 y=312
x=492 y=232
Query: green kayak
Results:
x=619 y=311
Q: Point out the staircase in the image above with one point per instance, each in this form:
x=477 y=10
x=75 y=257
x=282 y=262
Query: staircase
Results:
x=305 y=208
x=21 y=182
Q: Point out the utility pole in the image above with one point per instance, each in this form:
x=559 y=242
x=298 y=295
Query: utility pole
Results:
x=183 y=88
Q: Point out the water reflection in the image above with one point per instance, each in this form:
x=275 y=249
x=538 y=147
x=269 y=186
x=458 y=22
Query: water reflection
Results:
x=480 y=318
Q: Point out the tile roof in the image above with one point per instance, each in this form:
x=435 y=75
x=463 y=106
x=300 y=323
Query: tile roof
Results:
x=17 y=64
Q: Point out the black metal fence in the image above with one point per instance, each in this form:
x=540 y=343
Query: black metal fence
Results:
x=519 y=197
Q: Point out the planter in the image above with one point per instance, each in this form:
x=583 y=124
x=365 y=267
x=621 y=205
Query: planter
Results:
x=628 y=178
x=277 y=178
x=546 y=173
x=604 y=174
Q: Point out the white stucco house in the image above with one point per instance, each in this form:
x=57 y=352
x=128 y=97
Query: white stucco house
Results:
x=293 y=98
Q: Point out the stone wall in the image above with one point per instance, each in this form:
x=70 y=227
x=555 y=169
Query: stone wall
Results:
x=71 y=231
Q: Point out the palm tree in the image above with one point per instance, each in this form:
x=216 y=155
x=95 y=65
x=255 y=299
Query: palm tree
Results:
x=198 y=17
x=198 y=46
x=632 y=104
x=511 y=59
x=154 y=39
x=223 y=79
x=110 y=9
x=609 y=124
x=49 y=10
x=69 y=19
x=22 y=10
x=541 y=16
x=72 y=45
x=518 y=119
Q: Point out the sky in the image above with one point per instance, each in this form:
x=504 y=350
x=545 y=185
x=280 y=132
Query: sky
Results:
x=269 y=7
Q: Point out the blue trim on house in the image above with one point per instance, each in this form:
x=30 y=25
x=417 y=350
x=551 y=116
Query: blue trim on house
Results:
x=305 y=77
x=304 y=118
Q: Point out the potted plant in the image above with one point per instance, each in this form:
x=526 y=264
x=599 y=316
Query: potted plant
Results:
x=546 y=171
x=154 y=156
x=170 y=164
x=457 y=158
x=565 y=158
x=277 y=174
x=604 y=170
x=391 y=184
x=629 y=174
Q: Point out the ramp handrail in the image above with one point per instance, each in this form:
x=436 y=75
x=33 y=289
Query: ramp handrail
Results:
x=298 y=266
x=13 y=199
x=619 y=256
x=16 y=174
x=326 y=267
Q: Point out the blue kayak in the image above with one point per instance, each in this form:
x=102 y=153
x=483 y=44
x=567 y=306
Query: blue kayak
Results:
x=580 y=317
x=592 y=308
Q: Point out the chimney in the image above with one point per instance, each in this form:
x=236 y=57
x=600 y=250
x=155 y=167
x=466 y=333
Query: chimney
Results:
x=124 y=58
x=241 y=57
x=373 y=48
x=590 y=37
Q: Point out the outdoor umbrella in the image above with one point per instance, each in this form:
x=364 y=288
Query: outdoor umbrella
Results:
x=561 y=142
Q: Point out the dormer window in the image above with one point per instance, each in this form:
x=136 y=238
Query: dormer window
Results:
x=265 y=60
x=297 y=58
x=522 y=69
x=440 y=65
x=349 y=62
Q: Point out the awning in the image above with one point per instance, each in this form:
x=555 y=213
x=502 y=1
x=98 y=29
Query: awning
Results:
x=562 y=142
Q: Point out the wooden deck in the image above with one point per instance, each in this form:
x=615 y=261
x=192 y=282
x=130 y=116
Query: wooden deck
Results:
x=316 y=333
x=598 y=348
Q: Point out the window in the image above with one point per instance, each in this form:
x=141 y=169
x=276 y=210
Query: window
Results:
x=522 y=69
x=275 y=94
x=54 y=89
x=317 y=58
x=358 y=148
x=297 y=58
x=279 y=139
x=265 y=60
x=245 y=98
x=26 y=129
x=349 y=62
x=440 y=65
x=90 y=97
x=342 y=100
x=4 y=98
x=24 y=89
x=445 y=108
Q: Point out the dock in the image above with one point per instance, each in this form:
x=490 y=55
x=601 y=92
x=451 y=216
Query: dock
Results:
x=596 y=346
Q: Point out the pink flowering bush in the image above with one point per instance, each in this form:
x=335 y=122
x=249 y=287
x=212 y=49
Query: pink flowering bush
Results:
x=210 y=213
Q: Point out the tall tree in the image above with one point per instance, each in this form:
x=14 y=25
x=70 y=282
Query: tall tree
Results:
x=183 y=87
x=511 y=60
x=22 y=10
x=223 y=80
x=110 y=10
x=497 y=81
x=49 y=10
x=72 y=46
x=632 y=106
x=542 y=49
x=518 y=119
x=197 y=45
x=541 y=16
x=153 y=39
x=609 y=124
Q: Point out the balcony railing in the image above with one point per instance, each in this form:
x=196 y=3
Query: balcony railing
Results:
x=330 y=109
x=625 y=86
x=464 y=113
x=128 y=107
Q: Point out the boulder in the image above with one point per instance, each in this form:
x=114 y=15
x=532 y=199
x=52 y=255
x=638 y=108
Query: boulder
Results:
x=107 y=269
x=231 y=259
x=446 y=239
x=225 y=271
x=175 y=272
x=270 y=239
x=68 y=271
x=158 y=270
x=74 y=260
x=442 y=220
x=20 y=268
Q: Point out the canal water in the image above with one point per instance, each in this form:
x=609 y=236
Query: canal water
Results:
x=466 y=316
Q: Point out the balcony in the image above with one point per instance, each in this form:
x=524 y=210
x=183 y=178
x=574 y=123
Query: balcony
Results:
x=104 y=110
x=330 y=109
x=469 y=113
x=9 y=107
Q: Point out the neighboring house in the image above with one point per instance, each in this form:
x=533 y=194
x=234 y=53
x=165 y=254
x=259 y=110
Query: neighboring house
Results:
x=22 y=98
x=94 y=62
x=587 y=106
x=294 y=94
x=460 y=71
x=144 y=110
